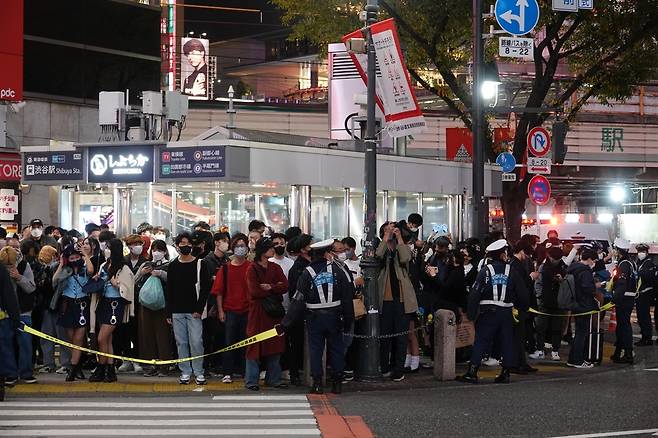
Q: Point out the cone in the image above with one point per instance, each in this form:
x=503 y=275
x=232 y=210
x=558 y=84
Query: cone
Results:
x=612 y=327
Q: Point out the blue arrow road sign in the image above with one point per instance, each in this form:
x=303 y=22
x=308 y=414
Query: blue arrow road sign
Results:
x=506 y=161
x=517 y=17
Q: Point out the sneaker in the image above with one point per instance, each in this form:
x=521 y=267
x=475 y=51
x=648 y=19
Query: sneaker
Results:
x=491 y=362
x=184 y=379
x=138 y=368
x=386 y=374
x=584 y=365
x=163 y=374
x=262 y=375
x=29 y=379
x=11 y=382
x=536 y=355
x=547 y=346
x=126 y=367
x=227 y=379
x=200 y=380
x=151 y=372
x=46 y=370
x=62 y=370
x=555 y=356
x=348 y=376
x=397 y=377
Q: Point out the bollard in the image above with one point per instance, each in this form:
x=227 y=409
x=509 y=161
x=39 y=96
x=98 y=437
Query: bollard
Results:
x=445 y=333
x=308 y=379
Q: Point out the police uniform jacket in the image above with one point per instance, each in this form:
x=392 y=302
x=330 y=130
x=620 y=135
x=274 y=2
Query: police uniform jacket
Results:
x=498 y=286
x=625 y=282
x=646 y=272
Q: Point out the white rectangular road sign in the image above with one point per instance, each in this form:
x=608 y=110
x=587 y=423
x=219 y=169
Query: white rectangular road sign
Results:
x=585 y=4
x=565 y=5
x=508 y=177
x=516 y=47
x=539 y=165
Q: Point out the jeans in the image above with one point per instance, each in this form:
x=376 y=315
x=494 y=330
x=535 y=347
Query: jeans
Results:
x=235 y=327
x=50 y=327
x=272 y=376
x=188 y=332
x=393 y=320
x=577 y=352
x=9 y=366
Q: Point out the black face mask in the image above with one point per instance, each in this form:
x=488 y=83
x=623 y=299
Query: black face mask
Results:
x=196 y=251
x=77 y=264
x=279 y=250
x=185 y=250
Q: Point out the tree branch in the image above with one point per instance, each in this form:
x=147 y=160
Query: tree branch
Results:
x=451 y=104
x=583 y=100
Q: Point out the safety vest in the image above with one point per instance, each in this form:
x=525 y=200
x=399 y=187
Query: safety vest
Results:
x=498 y=287
x=326 y=277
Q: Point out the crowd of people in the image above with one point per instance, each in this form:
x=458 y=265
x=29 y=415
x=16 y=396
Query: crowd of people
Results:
x=149 y=295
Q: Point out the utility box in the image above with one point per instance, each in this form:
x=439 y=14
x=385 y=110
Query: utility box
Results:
x=152 y=102
x=110 y=104
x=173 y=105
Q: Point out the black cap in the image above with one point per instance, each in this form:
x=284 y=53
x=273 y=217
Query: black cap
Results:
x=91 y=227
x=36 y=222
x=203 y=225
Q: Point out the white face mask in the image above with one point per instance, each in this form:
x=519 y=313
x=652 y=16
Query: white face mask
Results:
x=160 y=237
x=413 y=230
x=223 y=246
x=107 y=253
x=341 y=257
x=36 y=232
x=641 y=255
x=601 y=256
x=240 y=251
x=157 y=255
x=136 y=250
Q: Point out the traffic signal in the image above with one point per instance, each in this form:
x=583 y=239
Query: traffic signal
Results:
x=559 y=134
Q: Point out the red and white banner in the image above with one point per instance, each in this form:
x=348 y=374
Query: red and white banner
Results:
x=11 y=50
x=394 y=92
x=459 y=144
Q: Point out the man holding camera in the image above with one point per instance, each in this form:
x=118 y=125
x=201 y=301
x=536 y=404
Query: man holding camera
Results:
x=397 y=298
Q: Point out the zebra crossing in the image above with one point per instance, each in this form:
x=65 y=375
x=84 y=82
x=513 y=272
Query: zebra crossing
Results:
x=225 y=415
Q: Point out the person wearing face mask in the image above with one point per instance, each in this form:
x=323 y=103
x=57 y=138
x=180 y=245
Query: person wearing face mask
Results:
x=646 y=271
x=37 y=236
x=280 y=258
x=624 y=295
x=585 y=293
x=232 y=297
x=254 y=236
x=44 y=283
x=300 y=245
x=161 y=233
x=186 y=296
x=202 y=242
x=145 y=231
x=69 y=278
x=127 y=334
x=154 y=333
x=22 y=280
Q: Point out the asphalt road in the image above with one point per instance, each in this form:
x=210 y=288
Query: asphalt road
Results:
x=581 y=402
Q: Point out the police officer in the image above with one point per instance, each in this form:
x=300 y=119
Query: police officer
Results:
x=646 y=272
x=324 y=296
x=623 y=295
x=498 y=288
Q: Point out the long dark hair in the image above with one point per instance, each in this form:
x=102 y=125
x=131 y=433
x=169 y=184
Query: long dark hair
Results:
x=117 y=261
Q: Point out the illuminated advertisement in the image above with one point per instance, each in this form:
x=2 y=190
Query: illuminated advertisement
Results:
x=194 y=68
x=11 y=50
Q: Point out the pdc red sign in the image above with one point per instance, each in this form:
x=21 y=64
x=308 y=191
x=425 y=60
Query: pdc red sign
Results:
x=11 y=50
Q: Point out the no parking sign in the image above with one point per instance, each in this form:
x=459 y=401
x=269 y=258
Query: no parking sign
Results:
x=539 y=190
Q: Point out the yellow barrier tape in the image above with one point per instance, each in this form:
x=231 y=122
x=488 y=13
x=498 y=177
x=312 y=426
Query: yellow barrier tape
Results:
x=260 y=337
x=602 y=309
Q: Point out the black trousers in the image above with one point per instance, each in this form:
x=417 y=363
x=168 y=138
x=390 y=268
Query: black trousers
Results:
x=393 y=320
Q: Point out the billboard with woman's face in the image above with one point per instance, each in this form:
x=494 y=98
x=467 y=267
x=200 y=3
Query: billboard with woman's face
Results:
x=194 y=68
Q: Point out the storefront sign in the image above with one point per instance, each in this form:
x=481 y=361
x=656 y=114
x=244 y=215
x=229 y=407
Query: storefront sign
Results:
x=11 y=50
x=53 y=167
x=192 y=163
x=120 y=164
x=10 y=167
x=8 y=204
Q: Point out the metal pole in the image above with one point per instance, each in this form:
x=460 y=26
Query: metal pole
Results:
x=346 y=210
x=368 y=365
x=479 y=210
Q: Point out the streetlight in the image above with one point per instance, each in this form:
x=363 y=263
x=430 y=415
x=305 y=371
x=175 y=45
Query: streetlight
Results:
x=617 y=194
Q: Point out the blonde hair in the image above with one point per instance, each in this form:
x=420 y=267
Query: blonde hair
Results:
x=8 y=256
x=47 y=255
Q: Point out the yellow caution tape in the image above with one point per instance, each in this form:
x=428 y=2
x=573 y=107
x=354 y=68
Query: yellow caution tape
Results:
x=602 y=309
x=260 y=337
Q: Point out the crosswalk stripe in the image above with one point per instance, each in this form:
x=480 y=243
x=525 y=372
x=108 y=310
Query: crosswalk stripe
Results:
x=159 y=432
x=162 y=422
x=260 y=397
x=117 y=405
x=179 y=413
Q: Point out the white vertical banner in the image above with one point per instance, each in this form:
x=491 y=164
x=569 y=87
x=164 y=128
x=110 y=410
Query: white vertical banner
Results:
x=8 y=204
x=394 y=92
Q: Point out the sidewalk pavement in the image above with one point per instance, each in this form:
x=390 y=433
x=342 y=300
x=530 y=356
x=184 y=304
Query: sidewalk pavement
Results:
x=131 y=383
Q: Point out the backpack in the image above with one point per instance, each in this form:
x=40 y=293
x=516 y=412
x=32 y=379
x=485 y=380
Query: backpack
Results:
x=566 y=296
x=151 y=295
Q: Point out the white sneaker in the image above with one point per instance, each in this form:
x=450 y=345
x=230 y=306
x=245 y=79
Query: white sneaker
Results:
x=62 y=370
x=491 y=362
x=582 y=366
x=126 y=367
x=227 y=379
x=138 y=368
x=285 y=375
x=555 y=356
x=537 y=355
x=184 y=379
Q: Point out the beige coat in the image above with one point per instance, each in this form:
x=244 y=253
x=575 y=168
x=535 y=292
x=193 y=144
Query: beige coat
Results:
x=402 y=257
x=127 y=291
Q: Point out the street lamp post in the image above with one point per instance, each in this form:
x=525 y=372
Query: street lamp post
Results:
x=368 y=366
x=480 y=221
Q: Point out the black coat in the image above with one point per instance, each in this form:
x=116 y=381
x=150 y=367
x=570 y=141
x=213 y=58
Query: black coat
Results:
x=585 y=287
